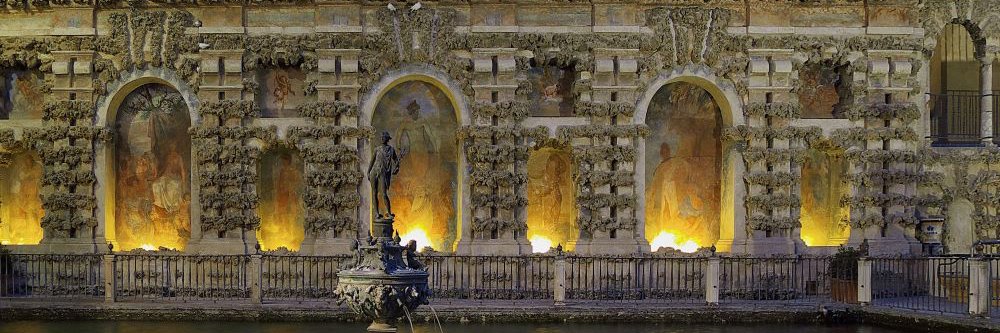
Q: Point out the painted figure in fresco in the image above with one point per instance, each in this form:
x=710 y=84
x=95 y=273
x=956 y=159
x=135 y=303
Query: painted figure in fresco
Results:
x=683 y=193
x=282 y=89
x=152 y=198
x=28 y=100
x=22 y=205
x=384 y=164
x=281 y=207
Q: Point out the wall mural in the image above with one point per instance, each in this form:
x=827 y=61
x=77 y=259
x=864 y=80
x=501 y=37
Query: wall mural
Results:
x=282 y=90
x=281 y=186
x=818 y=91
x=152 y=168
x=21 y=94
x=823 y=184
x=551 y=199
x=552 y=95
x=683 y=170
x=421 y=120
x=20 y=204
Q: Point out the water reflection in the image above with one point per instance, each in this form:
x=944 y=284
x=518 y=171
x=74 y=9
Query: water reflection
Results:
x=321 y=327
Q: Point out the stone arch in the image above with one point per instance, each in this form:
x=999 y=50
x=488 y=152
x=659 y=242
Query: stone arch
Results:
x=459 y=103
x=724 y=93
x=106 y=117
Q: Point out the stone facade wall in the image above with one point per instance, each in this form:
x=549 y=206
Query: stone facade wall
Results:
x=746 y=53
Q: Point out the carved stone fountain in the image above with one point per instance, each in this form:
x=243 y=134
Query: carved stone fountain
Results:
x=386 y=282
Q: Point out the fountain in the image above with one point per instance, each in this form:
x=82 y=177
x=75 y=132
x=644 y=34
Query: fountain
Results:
x=385 y=282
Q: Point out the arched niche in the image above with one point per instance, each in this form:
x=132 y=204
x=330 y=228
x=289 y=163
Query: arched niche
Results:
x=551 y=198
x=955 y=85
x=151 y=168
x=20 y=201
x=281 y=185
x=422 y=120
x=823 y=184
x=683 y=163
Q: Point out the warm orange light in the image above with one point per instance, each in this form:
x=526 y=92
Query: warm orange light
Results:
x=670 y=240
x=540 y=244
x=417 y=234
x=20 y=204
x=147 y=247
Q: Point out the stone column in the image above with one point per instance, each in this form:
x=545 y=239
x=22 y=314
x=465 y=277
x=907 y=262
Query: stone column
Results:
x=865 y=281
x=712 y=281
x=108 y=271
x=979 y=287
x=986 y=87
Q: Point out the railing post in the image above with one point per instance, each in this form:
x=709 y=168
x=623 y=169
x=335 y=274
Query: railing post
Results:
x=864 y=281
x=979 y=287
x=712 y=281
x=559 y=292
x=256 y=294
x=108 y=271
x=986 y=104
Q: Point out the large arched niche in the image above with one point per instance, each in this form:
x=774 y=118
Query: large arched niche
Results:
x=422 y=117
x=683 y=160
x=149 y=168
x=551 y=198
x=281 y=185
x=20 y=201
x=730 y=188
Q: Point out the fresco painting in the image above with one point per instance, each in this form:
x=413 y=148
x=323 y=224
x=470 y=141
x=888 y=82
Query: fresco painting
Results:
x=282 y=90
x=818 y=94
x=152 y=170
x=20 y=204
x=552 y=95
x=281 y=186
x=683 y=170
x=21 y=95
x=823 y=184
x=421 y=120
x=551 y=199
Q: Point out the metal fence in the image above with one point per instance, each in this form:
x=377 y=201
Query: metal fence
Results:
x=490 y=277
x=51 y=275
x=635 y=278
x=290 y=277
x=183 y=277
x=926 y=284
x=784 y=279
x=956 y=117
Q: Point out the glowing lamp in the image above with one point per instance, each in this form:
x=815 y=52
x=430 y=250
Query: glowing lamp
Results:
x=417 y=234
x=540 y=244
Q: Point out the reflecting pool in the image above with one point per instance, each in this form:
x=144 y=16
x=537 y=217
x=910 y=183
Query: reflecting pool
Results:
x=323 y=327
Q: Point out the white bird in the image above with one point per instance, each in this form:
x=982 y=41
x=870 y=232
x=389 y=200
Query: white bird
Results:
x=203 y=45
x=391 y=7
x=416 y=6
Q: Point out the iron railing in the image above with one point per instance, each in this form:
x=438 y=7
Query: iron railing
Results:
x=785 y=279
x=925 y=284
x=184 y=277
x=635 y=278
x=51 y=275
x=490 y=277
x=956 y=117
x=291 y=277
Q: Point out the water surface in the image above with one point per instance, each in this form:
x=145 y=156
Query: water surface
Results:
x=323 y=327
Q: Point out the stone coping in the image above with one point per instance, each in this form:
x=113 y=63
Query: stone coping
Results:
x=506 y=311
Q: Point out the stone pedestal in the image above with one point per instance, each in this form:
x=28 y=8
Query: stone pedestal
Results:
x=601 y=243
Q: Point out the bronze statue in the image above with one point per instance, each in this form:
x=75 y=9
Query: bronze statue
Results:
x=384 y=164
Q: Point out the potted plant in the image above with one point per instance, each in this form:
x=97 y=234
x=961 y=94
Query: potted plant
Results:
x=843 y=270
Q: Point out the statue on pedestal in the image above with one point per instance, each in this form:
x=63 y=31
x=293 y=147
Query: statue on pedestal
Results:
x=384 y=164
